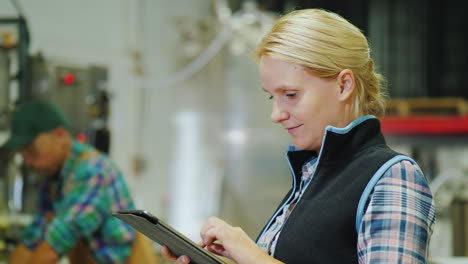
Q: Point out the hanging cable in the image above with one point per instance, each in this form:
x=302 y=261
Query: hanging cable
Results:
x=16 y=4
x=230 y=21
x=18 y=8
x=24 y=73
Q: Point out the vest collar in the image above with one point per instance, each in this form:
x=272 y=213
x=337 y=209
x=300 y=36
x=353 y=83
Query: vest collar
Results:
x=338 y=130
x=339 y=143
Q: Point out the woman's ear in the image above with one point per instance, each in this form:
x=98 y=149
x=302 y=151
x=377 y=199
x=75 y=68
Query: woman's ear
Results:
x=346 y=83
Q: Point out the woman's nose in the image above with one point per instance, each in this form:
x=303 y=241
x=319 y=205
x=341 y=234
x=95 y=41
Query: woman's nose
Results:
x=278 y=114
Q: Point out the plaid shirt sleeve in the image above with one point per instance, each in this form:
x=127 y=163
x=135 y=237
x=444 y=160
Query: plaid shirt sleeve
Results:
x=397 y=224
x=34 y=233
x=87 y=202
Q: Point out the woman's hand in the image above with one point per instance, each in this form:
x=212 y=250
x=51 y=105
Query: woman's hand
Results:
x=167 y=254
x=232 y=242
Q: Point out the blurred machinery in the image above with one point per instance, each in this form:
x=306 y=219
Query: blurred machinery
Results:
x=450 y=190
x=80 y=90
x=11 y=44
x=4 y=93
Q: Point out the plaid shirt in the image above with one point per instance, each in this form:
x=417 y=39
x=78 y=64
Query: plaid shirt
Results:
x=88 y=188
x=268 y=241
x=397 y=224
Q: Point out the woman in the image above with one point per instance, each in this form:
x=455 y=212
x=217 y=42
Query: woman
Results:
x=353 y=200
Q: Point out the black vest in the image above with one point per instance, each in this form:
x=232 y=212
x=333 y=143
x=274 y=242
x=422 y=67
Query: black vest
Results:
x=321 y=228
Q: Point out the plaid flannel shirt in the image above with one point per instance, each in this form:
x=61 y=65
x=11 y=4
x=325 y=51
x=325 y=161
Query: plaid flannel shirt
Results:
x=82 y=196
x=397 y=224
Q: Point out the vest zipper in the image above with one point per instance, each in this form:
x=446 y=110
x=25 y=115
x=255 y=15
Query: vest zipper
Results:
x=293 y=190
x=285 y=202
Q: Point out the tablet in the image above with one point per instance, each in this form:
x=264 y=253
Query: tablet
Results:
x=163 y=234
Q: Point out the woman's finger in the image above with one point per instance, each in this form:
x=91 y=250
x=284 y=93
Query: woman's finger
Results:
x=167 y=254
x=216 y=248
x=183 y=260
x=212 y=230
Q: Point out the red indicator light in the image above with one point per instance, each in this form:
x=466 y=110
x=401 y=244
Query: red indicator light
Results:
x=81 y=137
x=69 y=78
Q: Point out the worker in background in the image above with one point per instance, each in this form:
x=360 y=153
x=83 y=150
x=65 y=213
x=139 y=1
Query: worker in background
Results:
x=81 y=188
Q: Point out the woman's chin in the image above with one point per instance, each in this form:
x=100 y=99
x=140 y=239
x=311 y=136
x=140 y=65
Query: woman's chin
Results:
x=303 y=146
x=300 y=146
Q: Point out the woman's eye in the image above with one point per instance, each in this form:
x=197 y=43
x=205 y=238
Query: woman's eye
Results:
x=290 y=94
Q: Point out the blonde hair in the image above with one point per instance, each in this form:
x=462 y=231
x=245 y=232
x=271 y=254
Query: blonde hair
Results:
x=326 y=43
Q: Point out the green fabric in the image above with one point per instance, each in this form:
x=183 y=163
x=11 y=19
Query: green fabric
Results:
x=32 y=118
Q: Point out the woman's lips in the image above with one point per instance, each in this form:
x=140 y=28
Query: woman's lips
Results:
x=292 y=129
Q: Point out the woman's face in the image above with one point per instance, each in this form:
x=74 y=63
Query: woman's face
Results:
x=303 y=103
